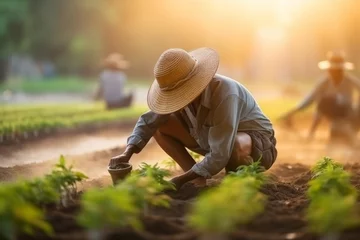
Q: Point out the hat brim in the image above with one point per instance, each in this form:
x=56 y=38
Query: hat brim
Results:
x=325 y=65
x=170 y=101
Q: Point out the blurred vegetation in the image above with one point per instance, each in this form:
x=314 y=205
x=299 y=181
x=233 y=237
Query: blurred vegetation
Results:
x=77 y=35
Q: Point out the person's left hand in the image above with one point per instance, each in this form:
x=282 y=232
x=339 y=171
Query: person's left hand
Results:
x=178 y=182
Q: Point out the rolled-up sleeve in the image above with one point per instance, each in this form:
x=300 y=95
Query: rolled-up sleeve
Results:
x=222 y=136
x=145 y=128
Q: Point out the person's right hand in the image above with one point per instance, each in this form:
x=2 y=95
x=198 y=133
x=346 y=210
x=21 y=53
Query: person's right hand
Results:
x=122 y=158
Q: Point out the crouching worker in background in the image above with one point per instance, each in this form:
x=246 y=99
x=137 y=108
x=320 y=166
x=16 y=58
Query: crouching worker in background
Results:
x=112 y=83
x=194 y=108
x=334 y=98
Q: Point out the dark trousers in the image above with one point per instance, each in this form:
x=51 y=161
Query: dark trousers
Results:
x=122 y=103
x=343 y=117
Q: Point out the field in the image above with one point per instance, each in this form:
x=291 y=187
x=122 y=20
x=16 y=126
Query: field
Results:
x=285 y=191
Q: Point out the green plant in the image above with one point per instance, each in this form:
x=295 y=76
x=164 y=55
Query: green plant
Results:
x=155 y=172
x=323 y=164
x=253 y=170
x=17 y=214
x=332 y=213
x=146 y=190
x=332 y=207
x=39 y=191
x=102 y=209
x=64 y=180
x=211 y=216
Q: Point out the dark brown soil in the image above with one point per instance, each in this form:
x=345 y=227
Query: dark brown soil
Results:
x=283 y=217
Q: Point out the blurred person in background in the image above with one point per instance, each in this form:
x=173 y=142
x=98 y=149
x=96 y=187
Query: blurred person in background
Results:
x=112 y=83
x=334 y=98
x=193 y=107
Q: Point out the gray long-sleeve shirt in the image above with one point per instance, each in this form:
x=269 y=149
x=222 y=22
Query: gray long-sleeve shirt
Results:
x=345 y=90
x=112 y=85
x=226 y=108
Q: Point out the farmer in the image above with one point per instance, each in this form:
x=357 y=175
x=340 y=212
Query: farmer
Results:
x=193 y=107
x=334 y=98
x=112 y=83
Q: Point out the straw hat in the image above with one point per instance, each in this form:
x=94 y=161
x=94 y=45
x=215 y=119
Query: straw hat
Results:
x=117 y=61
x=335 y=61
x=180 y=77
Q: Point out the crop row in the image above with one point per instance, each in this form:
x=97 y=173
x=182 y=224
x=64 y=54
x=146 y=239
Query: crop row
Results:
x=218 y=211
x=32 y=127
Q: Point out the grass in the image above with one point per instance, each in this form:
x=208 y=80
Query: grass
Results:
x=61 y=85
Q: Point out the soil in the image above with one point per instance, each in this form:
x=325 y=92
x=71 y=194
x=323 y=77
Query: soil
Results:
x=283 y=217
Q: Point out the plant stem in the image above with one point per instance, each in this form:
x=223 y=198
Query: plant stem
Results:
x=95 y=234
x=214 y=236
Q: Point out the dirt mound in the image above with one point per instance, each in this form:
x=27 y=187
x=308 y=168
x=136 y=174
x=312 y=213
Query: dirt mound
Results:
x=283 y=217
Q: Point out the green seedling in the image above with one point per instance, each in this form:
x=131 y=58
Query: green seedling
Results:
x=322 y=165
x=212 y=217
x=65 y=180
x=332 y=206
x=104 y=209
x=253 y=170
x=40 y=192
x=155 y=172
x=331 y=213
x=19 y=215
x=145 y=190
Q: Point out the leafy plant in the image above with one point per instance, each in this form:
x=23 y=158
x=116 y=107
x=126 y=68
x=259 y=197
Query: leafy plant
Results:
x=17 y=214
x=64 y=180
x=155 y=172
x=39 y=191
x=253 y=170
x=332 y=200
x=145 y=190
x=332 y=213
x=210 y=215
x=102 y=209
x=322 y=165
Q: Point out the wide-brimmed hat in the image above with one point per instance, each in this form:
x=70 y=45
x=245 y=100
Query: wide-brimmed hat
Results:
x=335 y=60
x=180 y=77
x=117 y=61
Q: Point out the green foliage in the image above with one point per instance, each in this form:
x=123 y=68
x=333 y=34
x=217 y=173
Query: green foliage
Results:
x=332 y=213
x=18 y=120
x=63 y=177
x=253 y=170
x=109 y=207
x=331 y=180
x=17 y=214
x=325 y=164
x=39 y=191
x=155 y=172
x=211 y=215
x=145 y=189
x=332 y=206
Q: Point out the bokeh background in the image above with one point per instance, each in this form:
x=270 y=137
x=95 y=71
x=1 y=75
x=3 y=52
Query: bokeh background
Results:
x=258 y=40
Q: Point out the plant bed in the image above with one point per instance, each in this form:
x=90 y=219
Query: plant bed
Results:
x=283 y=217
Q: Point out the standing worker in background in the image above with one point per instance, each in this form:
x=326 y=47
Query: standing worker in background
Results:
x=112 y=83
x=334 y=95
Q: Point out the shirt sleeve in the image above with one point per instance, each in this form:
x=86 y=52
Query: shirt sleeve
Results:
x=145 y=128
x=355 y=82
x=221 y=137
x=316 y=93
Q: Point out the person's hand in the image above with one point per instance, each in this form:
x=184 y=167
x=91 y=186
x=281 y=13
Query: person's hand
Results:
x=178 y=182
x=124 y=157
